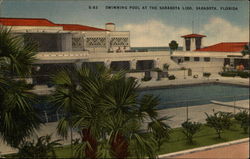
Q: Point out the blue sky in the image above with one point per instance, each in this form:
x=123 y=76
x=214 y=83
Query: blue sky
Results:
x=148 y=27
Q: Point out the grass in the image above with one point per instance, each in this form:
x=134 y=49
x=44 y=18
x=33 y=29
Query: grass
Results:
x=178 y=142
x=205 y=137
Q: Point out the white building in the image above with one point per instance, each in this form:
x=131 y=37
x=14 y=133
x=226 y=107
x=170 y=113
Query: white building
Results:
x=67 y=44
x=212 y=58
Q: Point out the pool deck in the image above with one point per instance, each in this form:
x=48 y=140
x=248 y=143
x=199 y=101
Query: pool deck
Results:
x=179 y=115
x=191 y=81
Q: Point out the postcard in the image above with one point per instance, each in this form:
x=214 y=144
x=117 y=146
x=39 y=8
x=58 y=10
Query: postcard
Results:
x=124 y=78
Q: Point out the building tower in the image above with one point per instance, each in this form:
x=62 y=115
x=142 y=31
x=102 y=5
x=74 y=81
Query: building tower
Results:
x=192 y=42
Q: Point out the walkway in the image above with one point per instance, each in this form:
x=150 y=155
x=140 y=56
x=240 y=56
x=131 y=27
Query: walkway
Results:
x=237 y=151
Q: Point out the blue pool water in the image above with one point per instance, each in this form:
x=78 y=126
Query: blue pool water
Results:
x=175 y=96
x=178 y=96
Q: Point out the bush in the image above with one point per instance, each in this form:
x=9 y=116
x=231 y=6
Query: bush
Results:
x=171 y=77
x=207 y=74
x=189 y=129
x=166 y=66
x=243 y=74
x=235 y=73
x=146 y=78
x=243 y=118
x=219 y=121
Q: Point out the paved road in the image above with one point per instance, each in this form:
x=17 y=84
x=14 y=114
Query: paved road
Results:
x=236 y=151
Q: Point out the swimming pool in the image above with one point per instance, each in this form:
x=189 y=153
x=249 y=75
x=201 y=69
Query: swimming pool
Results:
x=178 y=96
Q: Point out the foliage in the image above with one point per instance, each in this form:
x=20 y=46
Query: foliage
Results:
x=228 y=74
x=171 y=77
x=106 y=109
x=43 y=148
x=219 y=121
x=190 y=129
x=166 y=66
x=235 y=73
x=177 y=140
x=160 y=130
x=243 y=74
x=173 y=45
x=243 y=118
x=16 y=101
x=246 y=50
x=207 y=74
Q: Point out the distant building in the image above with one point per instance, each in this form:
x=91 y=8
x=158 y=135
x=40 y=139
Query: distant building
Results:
x=65 y=45
x=69 y=37
x=211 y=58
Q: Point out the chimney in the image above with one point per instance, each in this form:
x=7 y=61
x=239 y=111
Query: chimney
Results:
x=110 y=26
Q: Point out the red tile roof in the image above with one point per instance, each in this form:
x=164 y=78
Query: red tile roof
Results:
x=193 y=36
x=76 y=27
x=45 y=22
x=110 y=23
x=225 y=47
x=26 y=22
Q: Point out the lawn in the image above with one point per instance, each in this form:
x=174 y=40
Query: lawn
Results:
x=177 y=142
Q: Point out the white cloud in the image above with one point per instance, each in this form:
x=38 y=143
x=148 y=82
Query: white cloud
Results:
x=157 y=33
x=154 y=33
x=220 y=30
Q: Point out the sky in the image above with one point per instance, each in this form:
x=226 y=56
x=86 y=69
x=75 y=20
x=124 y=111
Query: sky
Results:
x=150 y=25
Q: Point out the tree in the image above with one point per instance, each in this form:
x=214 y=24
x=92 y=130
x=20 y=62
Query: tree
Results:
x=246 y=50
x=243 y=118
x=110 y=116
x=190 y=129
x=18 y=118
x=42 y=148
x=219 y=121
x=173 y=45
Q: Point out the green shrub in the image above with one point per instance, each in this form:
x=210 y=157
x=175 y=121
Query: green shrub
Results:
x=171 y=77
x=207 y=74
x=235 y=73
x=243 y=74
x=243 y=118
x=219 y=121
x=190 y=129
x=166 y=66
x=228 y=74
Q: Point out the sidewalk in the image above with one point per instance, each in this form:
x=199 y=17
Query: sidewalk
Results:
x=238 y=149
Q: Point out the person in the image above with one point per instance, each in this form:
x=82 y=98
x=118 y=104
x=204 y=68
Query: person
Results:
x=238 y=67
x=241 y=67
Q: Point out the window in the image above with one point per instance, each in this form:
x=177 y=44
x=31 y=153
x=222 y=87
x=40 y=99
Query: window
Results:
x=207 y=59
x=186 y=58
x=196 y=59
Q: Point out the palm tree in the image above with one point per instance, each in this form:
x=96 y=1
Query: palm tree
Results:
x=109 y=114
x=42 y=148
x=18 y=118
x=173 y=45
